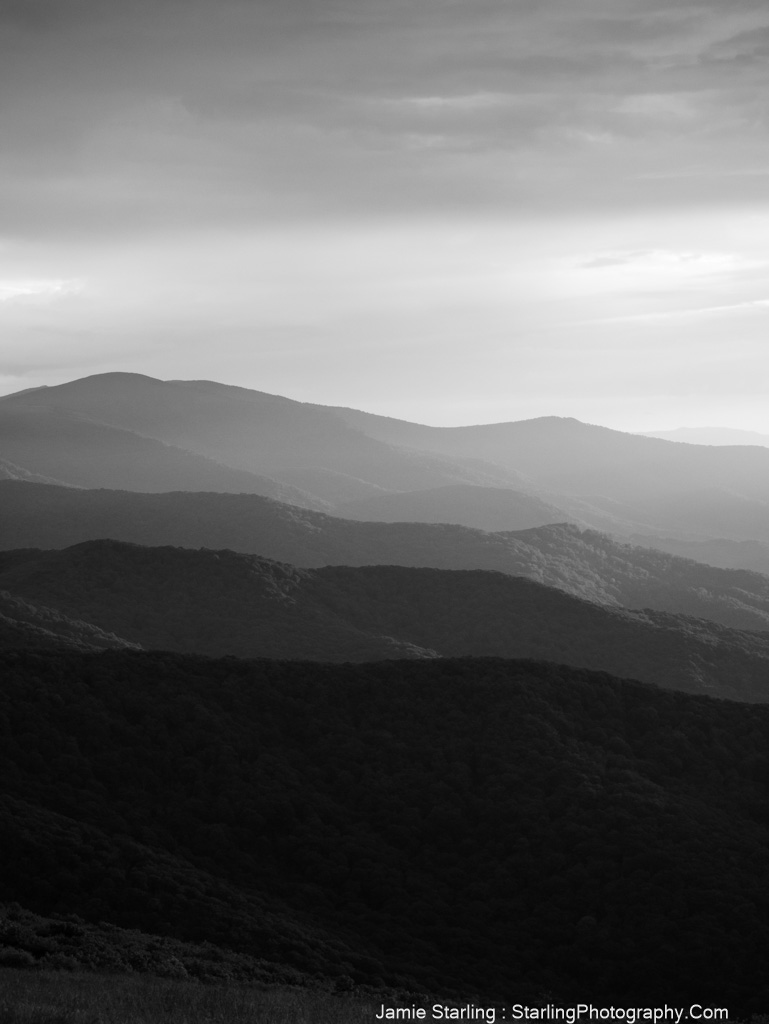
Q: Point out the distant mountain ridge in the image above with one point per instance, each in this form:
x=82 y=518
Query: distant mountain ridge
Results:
x=611 y=480
x=581 y=562
x=711 y=435
x=57 y=445
x=562 y=454
x=131 y=431
x=235 y=429
x=220 y=602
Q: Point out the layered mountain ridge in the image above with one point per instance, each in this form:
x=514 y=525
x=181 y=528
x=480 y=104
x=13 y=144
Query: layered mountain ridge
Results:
x=240 y=433
x=388 y=795
x=585 y=563
x=222 y=603
x=128 y=430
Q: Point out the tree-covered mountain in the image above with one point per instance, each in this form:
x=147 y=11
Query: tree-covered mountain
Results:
x=515 y=830
x=205 y=601
x=223 y=602
x=581 y=562
x=24 y=625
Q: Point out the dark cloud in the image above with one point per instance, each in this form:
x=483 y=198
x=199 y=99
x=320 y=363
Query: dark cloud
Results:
x=123 y=116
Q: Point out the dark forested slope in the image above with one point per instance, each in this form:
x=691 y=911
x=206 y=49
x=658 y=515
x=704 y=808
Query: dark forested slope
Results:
x=205 y=601
x=226 y=603
x=26 y=625
x=512 y=830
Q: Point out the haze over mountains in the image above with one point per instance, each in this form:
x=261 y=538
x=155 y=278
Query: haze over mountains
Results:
x=134 y=432
x=586 y=564
x=245 y=431
x=436 y=810
x=711 y=435
x=609 y=478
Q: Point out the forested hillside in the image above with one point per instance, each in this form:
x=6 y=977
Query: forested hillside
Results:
x=25 y=625
x=221 y=603
x=517 y=829
x=585 y=563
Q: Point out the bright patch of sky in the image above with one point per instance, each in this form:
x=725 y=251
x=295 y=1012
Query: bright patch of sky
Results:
x=444 y=211
x=37 y=290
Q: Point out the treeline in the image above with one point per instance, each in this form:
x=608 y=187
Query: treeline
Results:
x=483 y=826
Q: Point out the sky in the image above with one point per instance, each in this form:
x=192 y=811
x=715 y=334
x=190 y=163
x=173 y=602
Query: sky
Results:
x=449 y=211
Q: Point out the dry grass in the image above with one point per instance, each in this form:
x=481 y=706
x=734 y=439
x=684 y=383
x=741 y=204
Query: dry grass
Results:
x=28 y=997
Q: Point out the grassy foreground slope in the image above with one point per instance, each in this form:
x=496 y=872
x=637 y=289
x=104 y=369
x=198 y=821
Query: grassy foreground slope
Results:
x=482 y=826
x=55 y=997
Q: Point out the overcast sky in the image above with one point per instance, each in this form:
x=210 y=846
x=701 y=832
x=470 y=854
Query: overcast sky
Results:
x=451 y=211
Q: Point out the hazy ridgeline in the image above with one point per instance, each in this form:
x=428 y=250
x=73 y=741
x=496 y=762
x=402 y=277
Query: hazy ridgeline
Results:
x=129 y=431
x=394 y=805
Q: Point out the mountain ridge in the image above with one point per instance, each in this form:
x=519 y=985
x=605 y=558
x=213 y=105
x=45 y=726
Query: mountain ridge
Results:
x=244 y=430
x=222 y=603
x=585 y=563
x=607 y=479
